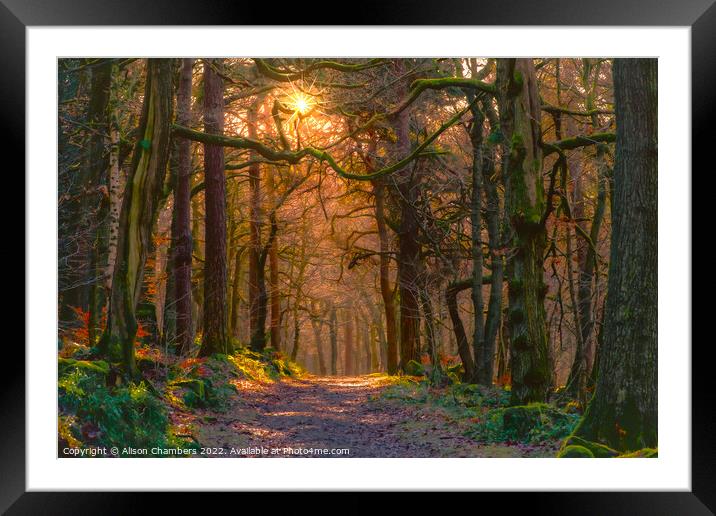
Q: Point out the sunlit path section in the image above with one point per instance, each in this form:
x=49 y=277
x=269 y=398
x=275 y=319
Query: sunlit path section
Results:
x=302 y=418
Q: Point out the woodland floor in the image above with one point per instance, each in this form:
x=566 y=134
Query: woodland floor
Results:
x=337 y=412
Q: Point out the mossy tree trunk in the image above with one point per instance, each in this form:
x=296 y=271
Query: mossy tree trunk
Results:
x=181 y=227
x=623 y=411
x=494 y=223
x=216 y=336
x=386 y=290
x=138 y=214
x=257 y=285
x=525 y=205
x=478 y=332
x=408 y=248
x=98 y=177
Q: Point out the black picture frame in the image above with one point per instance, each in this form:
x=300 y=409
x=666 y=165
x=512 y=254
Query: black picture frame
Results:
x=700 y=15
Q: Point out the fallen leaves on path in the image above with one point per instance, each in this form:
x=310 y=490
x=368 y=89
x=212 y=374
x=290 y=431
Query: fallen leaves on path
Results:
x=325 y=413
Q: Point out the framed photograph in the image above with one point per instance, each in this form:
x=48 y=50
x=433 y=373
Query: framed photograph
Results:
x=452 y=244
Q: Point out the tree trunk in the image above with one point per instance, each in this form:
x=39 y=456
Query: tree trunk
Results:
x=382 y=342
x=235 y=323
x=368 y=363
x=374 y=354
x=275 y=297
x=348 y=344
x=198 y=244
x=385 y=289
x=524 y=193
x=408 y=249
x=115 y=201
x=463 y=347
x=478 y=334
x=623 y=411
x=215 y=337
x=296 y=334
x=494 y=222
x=181 y=228
x=358 y=340
x=139 y=206
x=333 y=336
x=97 y=167
x=257 y=283
x=316 y=324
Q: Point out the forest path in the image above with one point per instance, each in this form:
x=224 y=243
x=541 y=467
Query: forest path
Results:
x=333 y=413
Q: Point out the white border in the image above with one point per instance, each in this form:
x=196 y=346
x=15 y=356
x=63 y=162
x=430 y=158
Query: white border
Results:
x=670 y=471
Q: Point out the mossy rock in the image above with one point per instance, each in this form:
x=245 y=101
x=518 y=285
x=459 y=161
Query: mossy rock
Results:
x=575 y=452
x=598 y=450
x=195 y=391
x=94 y=366
x=413 y=368
x=644 y=453
x=197 y=386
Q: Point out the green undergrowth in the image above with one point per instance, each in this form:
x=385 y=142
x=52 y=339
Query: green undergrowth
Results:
x=457 y=395
x=210 y=382
x=533 y=423
x=483 y=412
x=93 y=414
x=98 y=409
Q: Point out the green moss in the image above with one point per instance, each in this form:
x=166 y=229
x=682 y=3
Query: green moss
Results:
x=517 y=140
x=93 y=366
x=518 y=78
x=596 y=449
x=574 y=452
x=644 y=453
x=198 y=387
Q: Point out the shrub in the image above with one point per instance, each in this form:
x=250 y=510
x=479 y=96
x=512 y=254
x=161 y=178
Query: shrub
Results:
x=91 y=413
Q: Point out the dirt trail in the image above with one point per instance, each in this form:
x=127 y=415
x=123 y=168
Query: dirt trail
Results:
x=333 y=413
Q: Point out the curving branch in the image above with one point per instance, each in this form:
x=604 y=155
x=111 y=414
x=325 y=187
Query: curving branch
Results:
x=577 y=141
x=420 y=85
x=289 y=76
x=294 y=157
x=549 y=108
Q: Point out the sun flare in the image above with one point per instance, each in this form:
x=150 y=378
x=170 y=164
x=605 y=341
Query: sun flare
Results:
x=300 y=103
